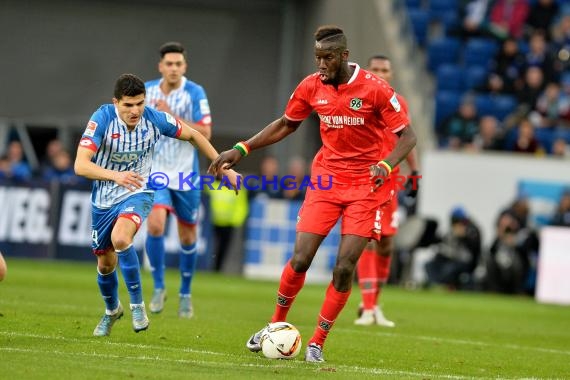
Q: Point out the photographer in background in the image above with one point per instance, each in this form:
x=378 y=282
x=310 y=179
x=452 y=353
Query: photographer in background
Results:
x=457 y=254
x=513 y=252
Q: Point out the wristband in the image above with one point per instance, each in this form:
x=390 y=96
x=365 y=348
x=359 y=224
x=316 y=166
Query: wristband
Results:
x=386 y=165
x=243 y=148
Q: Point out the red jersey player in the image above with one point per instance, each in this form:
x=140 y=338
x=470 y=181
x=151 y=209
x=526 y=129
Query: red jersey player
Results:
x=354 y=107
x=373 y=267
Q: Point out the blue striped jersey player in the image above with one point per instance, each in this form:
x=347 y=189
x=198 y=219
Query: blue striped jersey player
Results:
x=185 y=99
x=116 y=151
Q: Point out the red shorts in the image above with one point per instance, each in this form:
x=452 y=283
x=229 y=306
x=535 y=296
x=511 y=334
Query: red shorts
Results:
x=389 y=217
x=357 y=205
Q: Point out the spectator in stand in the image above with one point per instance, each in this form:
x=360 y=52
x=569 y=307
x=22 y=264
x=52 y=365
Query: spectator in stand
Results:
x=457 y=254
x=541 y=16
x=560 y=148
x=19 y=168
x=61 y=169
x=461 y=127
x=294 y=189
x=507 y=69
x=507 y=18
x=552 y=108
x=473 y=14
x=526 y=142
x=5 y=171
x=269 y=172
x=539 y=56
x=53 y=147
x=561 y=41
x=490 y=136
x=561 y=216
x=532 y=88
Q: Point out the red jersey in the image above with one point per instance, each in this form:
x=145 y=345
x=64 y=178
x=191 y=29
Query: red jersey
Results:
x=352 y=119
x=391 y=139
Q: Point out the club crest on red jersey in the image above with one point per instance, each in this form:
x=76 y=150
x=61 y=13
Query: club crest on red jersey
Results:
x=355 y=103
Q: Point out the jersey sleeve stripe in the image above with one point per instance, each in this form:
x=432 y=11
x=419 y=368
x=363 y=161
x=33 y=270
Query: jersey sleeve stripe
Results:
x=293 y=119
x=179 y=131
x=88 y=143
x=396 y=130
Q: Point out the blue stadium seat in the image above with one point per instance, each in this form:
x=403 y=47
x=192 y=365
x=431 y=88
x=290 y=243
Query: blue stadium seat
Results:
x=485 y=105
x=450 y=77
x=413 y=3
x=511 y=138
x=524 y=48
x=419 y=20
x=442 y=50
x=446 y=103
x=563 y=134
x=451 y=22
x=504 y=105
x=479 y=51
x=475 y=76
x=545 y=137
x=499 y=106
x=439 y=8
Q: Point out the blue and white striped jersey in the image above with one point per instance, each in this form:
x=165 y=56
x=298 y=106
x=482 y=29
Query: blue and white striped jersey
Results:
x=117 y=148
x=173 y=157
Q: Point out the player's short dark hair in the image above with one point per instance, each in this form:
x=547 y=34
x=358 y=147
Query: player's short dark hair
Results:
x=379 y=56
x=331 y=33
x=171 y=47
x=128 y=85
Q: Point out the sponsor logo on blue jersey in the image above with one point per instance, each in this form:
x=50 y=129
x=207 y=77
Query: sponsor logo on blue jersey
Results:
x=125 y=157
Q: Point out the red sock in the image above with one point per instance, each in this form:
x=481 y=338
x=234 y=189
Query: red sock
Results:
x=383 y=264
x=332 y=306
x=290 y=285
x=368 y=278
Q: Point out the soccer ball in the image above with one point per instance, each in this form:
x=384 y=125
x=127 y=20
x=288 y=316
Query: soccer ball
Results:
x=281 y=340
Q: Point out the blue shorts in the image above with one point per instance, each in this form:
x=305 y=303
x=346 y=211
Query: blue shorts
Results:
x=136 y=208
x=184 y=204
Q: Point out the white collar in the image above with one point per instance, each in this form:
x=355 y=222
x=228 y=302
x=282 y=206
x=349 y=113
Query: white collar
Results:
x=355 y=73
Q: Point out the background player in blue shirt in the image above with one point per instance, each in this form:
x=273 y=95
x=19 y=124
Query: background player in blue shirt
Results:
x=175 y=94
x=116 y=152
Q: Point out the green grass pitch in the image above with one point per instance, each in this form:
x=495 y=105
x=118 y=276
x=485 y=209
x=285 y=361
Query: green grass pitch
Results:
x=48 y=310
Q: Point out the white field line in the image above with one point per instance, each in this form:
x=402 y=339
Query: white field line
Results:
x=341 y=368
x=454 y=341
x=338 y=330
x=297 y=363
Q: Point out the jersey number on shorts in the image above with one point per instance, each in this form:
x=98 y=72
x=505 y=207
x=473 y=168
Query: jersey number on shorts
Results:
x=95 y=237
x=377 y=224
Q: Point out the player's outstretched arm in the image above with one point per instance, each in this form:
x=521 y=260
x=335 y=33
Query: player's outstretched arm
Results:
x=275 y=131
x=86 y=168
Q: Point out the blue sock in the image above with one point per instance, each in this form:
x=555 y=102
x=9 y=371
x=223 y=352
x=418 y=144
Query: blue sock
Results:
x=155 y=252
x=130 y=268
x=188 y=259
x=109 y=288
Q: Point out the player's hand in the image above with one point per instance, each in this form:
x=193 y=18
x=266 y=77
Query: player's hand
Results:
x=412 y=184
x=225 y=161
x=130 y=180
x=378 y=175
x=161 y=105
x=233 y=177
